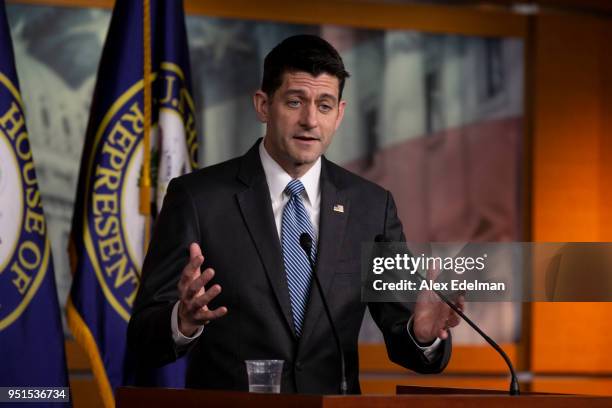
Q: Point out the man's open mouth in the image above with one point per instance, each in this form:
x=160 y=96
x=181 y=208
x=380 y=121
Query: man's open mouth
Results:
x=306 y=138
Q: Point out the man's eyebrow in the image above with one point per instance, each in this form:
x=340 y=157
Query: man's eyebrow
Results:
x=295 y=92
x=300 y=92
x=328 y=96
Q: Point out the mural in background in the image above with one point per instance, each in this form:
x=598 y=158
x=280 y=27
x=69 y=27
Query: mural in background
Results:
x=437 y=119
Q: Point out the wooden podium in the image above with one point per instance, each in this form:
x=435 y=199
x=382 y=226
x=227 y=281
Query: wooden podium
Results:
x=421 y=397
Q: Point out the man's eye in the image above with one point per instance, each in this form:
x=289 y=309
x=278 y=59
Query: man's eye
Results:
x=293 y=103
x=325 y=108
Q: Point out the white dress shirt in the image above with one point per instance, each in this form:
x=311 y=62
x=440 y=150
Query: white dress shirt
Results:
x=277 y=180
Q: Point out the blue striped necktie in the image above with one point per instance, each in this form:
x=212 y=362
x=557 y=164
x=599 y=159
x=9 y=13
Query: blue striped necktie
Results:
x=294 y=223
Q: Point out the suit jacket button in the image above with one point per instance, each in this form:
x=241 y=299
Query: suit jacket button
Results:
x=298 y=366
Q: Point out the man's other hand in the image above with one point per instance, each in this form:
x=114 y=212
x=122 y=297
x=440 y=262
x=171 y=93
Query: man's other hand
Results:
x=433 y=318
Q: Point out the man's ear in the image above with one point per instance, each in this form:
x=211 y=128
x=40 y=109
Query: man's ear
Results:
x=260 y=102
x=341 y=107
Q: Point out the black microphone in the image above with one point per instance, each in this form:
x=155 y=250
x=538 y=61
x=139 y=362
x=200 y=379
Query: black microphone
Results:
x=514 y=384
x=306 y=244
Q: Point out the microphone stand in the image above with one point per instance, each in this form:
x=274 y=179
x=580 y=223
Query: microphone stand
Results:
x=514 y=384
x=306 y=244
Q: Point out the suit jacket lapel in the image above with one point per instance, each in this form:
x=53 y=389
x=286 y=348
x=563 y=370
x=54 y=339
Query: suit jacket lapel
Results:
x=332 y=225
x=256 y=209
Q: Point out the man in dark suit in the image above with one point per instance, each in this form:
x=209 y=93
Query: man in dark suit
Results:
x=246 y=215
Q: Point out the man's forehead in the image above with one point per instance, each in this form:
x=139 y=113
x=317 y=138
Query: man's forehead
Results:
x=322 y=83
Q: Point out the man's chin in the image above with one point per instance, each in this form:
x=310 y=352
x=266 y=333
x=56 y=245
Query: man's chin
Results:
x=305 y=160
x=302 y=163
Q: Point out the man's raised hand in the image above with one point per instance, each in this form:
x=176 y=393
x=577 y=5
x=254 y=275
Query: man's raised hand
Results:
x=193 y=311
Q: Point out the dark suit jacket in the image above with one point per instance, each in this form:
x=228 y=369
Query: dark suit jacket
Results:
x=226 y=208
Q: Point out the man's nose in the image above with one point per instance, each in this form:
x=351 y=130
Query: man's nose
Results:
x=308 y=119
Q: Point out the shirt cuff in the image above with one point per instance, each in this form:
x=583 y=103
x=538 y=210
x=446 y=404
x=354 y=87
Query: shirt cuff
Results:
x=428 y=351
x=179 y=338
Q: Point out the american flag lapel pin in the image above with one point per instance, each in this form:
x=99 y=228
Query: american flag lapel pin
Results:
x=339 y=208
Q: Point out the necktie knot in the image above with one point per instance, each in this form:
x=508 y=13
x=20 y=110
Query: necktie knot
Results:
x=294 y=188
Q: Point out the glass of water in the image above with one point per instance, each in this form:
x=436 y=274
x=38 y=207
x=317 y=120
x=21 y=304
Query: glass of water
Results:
x=264 y=375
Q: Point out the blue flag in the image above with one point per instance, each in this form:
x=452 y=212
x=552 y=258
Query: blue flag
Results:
x=108 y=230
x=31 y=335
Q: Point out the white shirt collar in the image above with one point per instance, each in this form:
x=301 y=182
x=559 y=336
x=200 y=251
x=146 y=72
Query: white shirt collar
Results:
x=278 y=178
